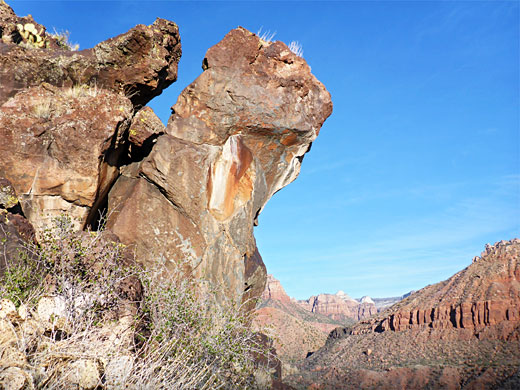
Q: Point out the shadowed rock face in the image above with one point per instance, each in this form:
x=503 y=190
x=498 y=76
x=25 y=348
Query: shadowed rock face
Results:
x=237 y=135
x=139 y=63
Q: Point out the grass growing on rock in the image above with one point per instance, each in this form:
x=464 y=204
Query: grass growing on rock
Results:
x=89 y=318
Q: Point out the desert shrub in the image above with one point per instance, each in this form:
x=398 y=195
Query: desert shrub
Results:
x=187 y=328
x=63 y=40
x=180 y=338
x=20 y=281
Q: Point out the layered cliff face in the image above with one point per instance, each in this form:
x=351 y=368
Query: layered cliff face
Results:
x=483 y=299
x=340 y=306
x=295 y=330
x=460 y=333
x=76 y=139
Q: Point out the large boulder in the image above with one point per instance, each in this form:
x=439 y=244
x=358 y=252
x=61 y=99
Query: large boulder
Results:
x=75 y=140
x=139 y=63
x=237 y=135
x=65 y=115
x=60 y=149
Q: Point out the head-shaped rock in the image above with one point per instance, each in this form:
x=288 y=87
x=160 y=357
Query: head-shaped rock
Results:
x=237 y=135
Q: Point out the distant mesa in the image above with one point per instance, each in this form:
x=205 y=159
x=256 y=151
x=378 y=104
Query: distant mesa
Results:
x=367 y=299
x=302 y=326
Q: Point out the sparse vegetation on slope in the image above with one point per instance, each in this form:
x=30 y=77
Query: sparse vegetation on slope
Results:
x=89 y=318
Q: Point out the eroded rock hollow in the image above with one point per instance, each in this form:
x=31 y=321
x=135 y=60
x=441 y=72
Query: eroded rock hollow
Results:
x=77 y=139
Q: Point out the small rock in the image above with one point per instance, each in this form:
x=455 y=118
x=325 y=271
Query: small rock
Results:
x=7 y=309
x=23 y=312
x=51 y=308
x=13 y=378
x=117 y=371
x=85 y=374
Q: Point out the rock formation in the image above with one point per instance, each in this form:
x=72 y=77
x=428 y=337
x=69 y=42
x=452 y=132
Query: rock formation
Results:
x=274 y=291
x=76 y=139
x=138 y=64
x=236 y=136
x=385 y=303
x=339 y=306
x=482 y=300
x=460 y=333
x=64 y=115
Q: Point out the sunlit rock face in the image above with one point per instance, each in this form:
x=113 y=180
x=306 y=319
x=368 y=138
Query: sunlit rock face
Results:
x=65 y=115
x=139 y=63
x=58 y=150
x=76 y=140
x=482 y=300
x=462 y=333
x=237 y=135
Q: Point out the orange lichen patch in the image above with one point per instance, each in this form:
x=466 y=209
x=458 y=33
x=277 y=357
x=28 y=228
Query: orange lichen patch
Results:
x=230 y=181
x=289 y=140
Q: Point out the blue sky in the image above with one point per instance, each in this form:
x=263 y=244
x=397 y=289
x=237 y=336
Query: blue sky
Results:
x=418 y=166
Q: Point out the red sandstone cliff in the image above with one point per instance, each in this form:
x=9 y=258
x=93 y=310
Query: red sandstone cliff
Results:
x=462 y=333
x=295 y=330
x=483 y=299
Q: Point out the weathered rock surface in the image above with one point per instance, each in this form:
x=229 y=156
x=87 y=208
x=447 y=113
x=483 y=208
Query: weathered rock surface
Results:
x=60 y=149
x=462 y=333
x=139 y=63
x=237 y=135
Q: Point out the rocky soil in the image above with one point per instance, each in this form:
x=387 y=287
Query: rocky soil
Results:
x=469 y=338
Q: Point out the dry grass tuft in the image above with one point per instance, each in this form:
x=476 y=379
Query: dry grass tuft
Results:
x=63 y=40
x=266 y=36
x=43 y=109
x=78 y=91
x=296 y=48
